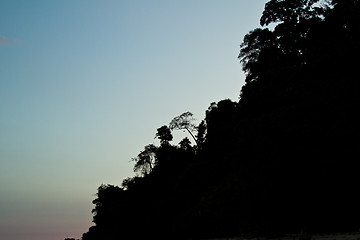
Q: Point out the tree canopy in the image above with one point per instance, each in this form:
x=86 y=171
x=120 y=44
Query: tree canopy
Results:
x=282 y=159
x=184 y=122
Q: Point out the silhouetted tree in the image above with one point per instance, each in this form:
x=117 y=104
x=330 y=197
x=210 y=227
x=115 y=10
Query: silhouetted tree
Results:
x=291 y=12
x=184 y=122
x=164 y=135
x=185 y=144
x=201 y=133
x=145 y=161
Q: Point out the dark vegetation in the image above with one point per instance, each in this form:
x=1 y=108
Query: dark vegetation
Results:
x=282 y=159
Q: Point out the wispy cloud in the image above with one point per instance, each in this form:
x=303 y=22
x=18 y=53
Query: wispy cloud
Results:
x=4 y=41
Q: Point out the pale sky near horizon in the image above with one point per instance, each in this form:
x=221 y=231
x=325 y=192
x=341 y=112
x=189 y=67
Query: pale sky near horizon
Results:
x=85 y=84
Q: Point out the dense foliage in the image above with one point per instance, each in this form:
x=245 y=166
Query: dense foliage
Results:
x=282 y=159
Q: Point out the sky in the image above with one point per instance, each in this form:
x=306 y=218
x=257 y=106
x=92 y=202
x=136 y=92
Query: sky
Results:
x=85 y=84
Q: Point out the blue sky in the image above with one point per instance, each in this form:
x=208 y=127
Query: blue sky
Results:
x=85 y=84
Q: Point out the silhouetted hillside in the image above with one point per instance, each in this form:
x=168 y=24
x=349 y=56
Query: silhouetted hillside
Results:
x=281 y=160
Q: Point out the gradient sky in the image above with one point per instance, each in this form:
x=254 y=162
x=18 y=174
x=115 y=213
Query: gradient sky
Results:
x=85 y=84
